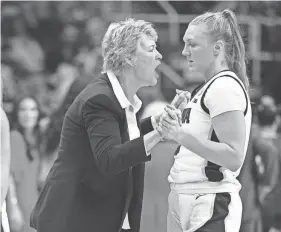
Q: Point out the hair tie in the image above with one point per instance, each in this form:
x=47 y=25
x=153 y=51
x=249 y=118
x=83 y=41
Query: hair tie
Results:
x=226 y=14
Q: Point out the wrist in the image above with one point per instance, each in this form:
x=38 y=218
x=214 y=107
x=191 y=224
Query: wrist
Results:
x=159 y=133
x=157 y=118
x=178 y=136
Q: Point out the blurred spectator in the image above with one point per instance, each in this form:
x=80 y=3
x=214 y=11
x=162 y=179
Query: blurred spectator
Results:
x=5 y=163
x=267 y=165
x=24 y=51
x=256 y=177
x=9 y=90
x=251 y=215
x=70 y=43
x=67 y=87
x=25 y=156
x=58 y=84
x=90 y=58
x=267 y=117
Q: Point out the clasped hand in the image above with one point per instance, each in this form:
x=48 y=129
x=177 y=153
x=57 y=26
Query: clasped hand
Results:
x=170 y=123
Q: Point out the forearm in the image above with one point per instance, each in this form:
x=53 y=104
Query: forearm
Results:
x=5 y=155
x=12 y=198
x=218 y=153
x=5 y=173
x=4 y=182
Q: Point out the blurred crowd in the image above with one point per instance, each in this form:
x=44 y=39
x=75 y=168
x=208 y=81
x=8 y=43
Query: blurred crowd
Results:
x=50 y=51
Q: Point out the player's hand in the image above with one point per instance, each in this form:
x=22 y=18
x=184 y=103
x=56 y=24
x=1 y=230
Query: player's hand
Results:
x=170 y=123
x=181 y=99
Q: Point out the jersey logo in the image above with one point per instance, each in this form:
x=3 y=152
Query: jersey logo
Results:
x=186 y=115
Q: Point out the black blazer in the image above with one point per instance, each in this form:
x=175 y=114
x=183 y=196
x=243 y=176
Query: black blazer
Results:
x=88 y=188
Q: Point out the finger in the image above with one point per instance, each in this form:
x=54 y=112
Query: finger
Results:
x=174 y=120
x=159 y=129
x=182 y=106
x=170 y=122
x=171 y=113
x=178 y=100
x=165 y=127
x=186 y=93
x=178 y=91
x=179 y=116
x=165 y=115
x=171 y=107
x=177 y=111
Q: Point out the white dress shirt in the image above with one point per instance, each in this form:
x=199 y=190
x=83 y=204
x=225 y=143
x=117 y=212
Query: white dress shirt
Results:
x=130 y=109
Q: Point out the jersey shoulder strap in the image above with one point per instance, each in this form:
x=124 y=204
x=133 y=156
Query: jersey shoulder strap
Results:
x=228 y=74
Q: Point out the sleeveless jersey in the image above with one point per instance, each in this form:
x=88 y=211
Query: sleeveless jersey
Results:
x=191 y=173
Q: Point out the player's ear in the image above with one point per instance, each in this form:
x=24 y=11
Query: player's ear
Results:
x=218 y=47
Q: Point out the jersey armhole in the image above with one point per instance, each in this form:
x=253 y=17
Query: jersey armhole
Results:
x=205 y=108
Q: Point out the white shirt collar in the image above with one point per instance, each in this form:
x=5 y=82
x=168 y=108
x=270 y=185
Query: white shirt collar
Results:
x=120 y=95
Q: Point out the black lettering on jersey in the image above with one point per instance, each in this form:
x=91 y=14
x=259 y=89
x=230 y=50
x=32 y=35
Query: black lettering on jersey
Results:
x=212 y=170
x=186 y=115
x=194 y=100
x=177 y=150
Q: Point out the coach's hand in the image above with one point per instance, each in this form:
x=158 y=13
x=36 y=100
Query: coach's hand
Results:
x=170 y=123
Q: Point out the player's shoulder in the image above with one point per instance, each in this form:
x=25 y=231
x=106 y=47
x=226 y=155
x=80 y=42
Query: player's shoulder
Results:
x=228 y=82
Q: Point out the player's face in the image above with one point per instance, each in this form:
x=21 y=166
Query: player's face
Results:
x=147 y=60
x=28 y=113
x=198 y=49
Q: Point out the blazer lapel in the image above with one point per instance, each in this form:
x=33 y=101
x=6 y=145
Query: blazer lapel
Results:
x=123 y=124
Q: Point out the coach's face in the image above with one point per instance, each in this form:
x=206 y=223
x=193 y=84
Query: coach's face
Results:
x=147 y=60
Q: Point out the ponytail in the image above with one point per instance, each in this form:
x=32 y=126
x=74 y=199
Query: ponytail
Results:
x=238 y=60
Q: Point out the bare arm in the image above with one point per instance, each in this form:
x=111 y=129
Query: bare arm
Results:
x=230 y=130
x=13 y=208
x=5 y=155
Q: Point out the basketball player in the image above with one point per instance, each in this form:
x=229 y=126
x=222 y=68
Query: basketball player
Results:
x=214 y=135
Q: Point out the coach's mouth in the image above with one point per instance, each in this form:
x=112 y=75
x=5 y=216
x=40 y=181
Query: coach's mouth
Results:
x=158 y=70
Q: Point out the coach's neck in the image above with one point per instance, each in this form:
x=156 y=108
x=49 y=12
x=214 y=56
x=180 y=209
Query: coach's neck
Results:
x=129 y=84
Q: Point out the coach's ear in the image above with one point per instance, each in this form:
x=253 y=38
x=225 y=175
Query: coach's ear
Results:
x=130 y=61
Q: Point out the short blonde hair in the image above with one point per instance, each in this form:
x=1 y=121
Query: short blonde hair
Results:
x=120 y=43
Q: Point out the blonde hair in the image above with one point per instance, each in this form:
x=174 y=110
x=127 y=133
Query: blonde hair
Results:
x=120 y=43
x=224 y=26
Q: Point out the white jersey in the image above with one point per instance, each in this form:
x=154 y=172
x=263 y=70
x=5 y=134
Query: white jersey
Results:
x=191 y=173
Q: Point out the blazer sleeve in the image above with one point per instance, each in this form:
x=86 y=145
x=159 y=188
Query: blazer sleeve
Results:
x=146 y=125
x=103 y=128
x=135 y=208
